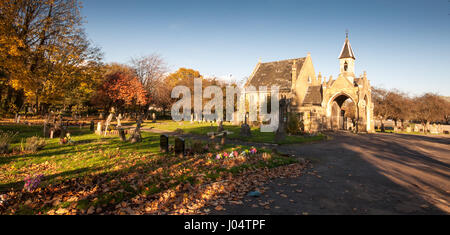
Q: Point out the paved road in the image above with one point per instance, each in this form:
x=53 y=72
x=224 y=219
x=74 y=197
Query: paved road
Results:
x=362 y=174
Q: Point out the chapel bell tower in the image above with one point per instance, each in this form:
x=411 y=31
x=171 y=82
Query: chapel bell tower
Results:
x=347 y=61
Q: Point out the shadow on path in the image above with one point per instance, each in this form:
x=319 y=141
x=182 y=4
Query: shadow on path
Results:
x=362 y=174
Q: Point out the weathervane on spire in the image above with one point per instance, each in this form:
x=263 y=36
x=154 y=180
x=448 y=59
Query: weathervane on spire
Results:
x=346 y=33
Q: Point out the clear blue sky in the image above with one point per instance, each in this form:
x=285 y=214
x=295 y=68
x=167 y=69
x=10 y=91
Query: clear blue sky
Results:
x=401 y=44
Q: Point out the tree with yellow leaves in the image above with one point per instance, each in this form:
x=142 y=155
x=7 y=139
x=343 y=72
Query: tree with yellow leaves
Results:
x=44 y=51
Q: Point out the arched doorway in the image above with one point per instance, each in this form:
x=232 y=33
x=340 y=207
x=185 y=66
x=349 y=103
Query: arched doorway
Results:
x=342 y=112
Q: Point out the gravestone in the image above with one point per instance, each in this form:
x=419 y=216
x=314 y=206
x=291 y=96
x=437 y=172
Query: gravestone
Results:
x=92 y=127
x=154 y=118
x=164 y=143
x=45 y=127
x=192 y=118
x=17 y=119
x=408 y=129
x=119 y=120
x=179 y=147
x=122 y=134
x=281 y=132
x=220 y=127
x=245 y=128
x=99 y=128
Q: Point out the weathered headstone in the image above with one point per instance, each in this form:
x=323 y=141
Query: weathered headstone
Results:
x=164 y=143
x=245 y=128
x=122 y=134
x=154 y=118
x=92 y=127
x=179 y=146
x=45 y=127
x=119 y=120
x=99 y=128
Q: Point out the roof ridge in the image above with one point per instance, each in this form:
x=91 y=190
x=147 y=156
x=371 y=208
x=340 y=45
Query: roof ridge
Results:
x=284 y=60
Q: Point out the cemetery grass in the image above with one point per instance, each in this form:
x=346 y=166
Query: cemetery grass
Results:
x=205 y=128
x=104 y=175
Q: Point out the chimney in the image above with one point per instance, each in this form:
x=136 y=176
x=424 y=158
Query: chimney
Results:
x=294 y=73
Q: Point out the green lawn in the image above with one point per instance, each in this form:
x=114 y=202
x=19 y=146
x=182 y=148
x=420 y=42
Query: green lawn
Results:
x=205 y=128
x=103 y=172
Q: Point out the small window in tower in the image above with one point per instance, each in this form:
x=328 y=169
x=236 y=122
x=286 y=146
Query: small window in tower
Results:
x=309 y=79
x=345 y=66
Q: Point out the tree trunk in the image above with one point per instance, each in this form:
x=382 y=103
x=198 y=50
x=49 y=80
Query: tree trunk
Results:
x=37 y=101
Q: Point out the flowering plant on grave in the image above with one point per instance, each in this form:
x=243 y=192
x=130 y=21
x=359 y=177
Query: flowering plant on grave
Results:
x=219 y=156
x=31 y=183
x=253 y=151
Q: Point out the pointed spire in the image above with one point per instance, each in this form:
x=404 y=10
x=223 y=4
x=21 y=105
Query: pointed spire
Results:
x=347 y=51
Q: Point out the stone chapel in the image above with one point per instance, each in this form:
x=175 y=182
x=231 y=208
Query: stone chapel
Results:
x=319 y=101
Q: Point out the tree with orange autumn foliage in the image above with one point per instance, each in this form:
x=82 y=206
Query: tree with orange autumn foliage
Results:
x=121 y=89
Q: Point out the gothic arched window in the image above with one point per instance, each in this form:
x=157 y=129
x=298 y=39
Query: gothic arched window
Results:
x=345 y=66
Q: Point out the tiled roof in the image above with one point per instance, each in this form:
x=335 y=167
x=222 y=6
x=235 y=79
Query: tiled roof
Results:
x=278 y=73
x=313 y=95
x=347 y=51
